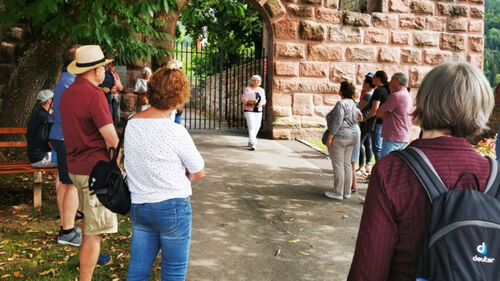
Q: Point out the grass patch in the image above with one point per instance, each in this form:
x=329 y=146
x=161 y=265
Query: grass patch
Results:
x=28 y=246
x=318 y=144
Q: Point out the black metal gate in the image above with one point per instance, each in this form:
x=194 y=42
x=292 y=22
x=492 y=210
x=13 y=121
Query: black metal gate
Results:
x=217 y=82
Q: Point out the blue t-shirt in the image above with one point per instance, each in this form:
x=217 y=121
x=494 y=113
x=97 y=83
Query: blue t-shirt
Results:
x=64 y=82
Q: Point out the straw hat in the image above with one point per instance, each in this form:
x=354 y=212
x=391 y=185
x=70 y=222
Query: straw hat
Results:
x=87 y=57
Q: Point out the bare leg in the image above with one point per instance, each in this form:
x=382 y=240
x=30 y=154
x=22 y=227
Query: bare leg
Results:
x=70 y=205
x=89 y=253
x=354 y=181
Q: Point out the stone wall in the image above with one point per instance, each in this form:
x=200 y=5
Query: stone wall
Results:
x=316 y=46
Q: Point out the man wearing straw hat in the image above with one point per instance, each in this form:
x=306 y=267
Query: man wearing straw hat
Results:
x=89 y=132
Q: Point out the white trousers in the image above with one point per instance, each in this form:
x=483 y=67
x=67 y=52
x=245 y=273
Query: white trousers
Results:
x=254 y=119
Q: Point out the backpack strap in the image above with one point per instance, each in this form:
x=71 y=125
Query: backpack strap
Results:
x=424 y=171
x=492 y=186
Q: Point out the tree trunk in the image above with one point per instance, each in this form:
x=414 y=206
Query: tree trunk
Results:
x=37 y=68
x=170 y=26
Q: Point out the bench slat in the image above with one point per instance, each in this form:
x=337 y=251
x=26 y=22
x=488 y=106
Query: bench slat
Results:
x=13 y=131
x=10 y=144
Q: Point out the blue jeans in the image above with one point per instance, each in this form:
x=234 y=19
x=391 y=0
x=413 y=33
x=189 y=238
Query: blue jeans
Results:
x=377 y=141
x=164 y=225
x=390 y=146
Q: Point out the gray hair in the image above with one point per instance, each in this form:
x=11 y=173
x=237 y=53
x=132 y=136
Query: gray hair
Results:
x=255 y=78
x=146 y=70
x=457 y=97
x=402 y=78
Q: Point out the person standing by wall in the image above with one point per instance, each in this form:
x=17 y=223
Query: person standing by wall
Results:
x=88 y=133
x=396 y=114
x=253 y=99
x=378 y=98
x=66 y=193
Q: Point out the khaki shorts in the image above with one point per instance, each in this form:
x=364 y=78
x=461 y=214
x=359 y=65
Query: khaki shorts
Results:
x=98 y=219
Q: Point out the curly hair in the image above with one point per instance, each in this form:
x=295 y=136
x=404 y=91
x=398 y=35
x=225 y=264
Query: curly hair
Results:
x=168 y=88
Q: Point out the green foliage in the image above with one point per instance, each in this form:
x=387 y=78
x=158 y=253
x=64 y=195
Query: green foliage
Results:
x=117 y=26
x=232 y=25
x=492 y=41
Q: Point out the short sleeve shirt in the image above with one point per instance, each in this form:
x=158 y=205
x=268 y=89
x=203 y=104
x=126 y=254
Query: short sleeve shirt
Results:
x=84 y=110
x=157 y=154
x=64 y=82
x=397 y=122
x=380 y=94
x=37 y=149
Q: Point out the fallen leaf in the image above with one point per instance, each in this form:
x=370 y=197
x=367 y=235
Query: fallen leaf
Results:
x=303 y=253
x=294 y=241
x=272 y=222
x=6 y=275
x=5 y=241
x=47 y=272
x=339 y=211
x=18 y=274
x=277 y=252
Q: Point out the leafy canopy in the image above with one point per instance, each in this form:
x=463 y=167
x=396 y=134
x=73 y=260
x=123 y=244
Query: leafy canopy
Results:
x=232 y=25
x=492 y=41
x=118 y=26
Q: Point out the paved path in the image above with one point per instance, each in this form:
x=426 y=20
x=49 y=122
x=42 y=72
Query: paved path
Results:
x=261 y=215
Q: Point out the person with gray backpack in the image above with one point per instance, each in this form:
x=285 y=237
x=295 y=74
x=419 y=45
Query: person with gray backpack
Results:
x=445 y=228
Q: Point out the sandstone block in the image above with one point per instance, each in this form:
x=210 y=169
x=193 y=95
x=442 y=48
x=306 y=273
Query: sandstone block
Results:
x=411 y=22
x=312 y=122
x=274 y=8
x=477 y=1
x=356 y=19
x=417 y=74
x=282 y=111
x=313 y=2
x=286 y=68
x=388 y=54
x=310 y=30
x=400 y=38
x=451 y=41
x=303 y=85
x=426 y=39
x=301 y=12
x=281 y=134
x=322 y=110
x=476 y=44
x=459 y=56
x=385 y=20
x=333 y=4
x=434 y=57
x=313 y=69
x=476 y=26
x=287 y=122
x=328 y=16
x=436 y=23
x=292 y=1
x=284 y=100
x=326 y=52
x=411 y=56
x=362 y=69
x=457 y=24
x=331 y=99
x=399 y=6
x=345 y=34
x=376 y=36
x=476 y=60
x=7 y=52
x=286 y=29
x=317 y=100
x=290 y=50
x=342 y=71
x=303 y=104
x=422 y=7
x=477 y=12
x=452 y=10
x=366 y=53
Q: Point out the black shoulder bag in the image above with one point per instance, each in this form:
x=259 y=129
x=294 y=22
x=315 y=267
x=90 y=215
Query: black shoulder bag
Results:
x=108 y=183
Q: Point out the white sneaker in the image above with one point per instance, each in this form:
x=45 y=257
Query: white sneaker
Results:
x=333 y=195
x=347 y=196
x=253 y=147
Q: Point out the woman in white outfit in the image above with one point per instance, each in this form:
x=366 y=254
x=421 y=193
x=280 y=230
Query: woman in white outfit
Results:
x=253 y=99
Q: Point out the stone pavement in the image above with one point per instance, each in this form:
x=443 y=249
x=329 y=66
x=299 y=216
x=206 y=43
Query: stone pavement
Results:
x=261 y=215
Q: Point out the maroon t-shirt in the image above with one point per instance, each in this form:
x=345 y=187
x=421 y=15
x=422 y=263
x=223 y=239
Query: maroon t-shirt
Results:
x=397 y=208
x=84 y=109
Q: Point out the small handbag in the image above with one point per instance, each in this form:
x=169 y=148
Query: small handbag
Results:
x=368 y=125
x=108 y=183
x=325 y=136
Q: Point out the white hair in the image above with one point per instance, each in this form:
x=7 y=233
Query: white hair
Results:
x=146 y=70
x=174 y=64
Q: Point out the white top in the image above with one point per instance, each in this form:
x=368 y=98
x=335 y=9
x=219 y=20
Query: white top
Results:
x=157 y=153
x=141 y=85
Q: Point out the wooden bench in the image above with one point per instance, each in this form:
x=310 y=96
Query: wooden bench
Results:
x=21 y=167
